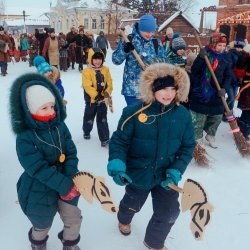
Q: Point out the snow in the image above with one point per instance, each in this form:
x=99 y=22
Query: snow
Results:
x=227 y=183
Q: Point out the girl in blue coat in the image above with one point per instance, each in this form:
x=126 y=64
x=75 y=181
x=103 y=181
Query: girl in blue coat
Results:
x=151 y=148
x=147 y=47
x=49 y=158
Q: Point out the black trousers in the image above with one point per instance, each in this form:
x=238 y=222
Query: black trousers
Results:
x=100 y=111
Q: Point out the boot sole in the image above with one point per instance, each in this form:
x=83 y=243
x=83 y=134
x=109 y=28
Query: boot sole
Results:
x=125 y=234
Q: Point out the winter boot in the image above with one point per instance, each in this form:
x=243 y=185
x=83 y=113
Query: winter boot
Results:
x=104 y=143
x=201 y=142
x=80 y=68
x=163 y=248
x=36 y=244
x=86 y=136
x=211 y=140
x=125 y=229
x=3 y=70
x=73 y=65
x=68 y=64
x=69 y=244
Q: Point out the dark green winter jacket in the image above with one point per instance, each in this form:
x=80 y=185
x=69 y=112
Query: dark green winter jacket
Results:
x=44 y=177
x=148 y=149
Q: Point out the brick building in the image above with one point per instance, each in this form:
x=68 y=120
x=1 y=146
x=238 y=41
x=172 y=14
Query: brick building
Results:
x=233 y=18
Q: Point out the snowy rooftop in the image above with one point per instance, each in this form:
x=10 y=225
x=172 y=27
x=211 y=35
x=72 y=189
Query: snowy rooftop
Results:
x=170 y=19
x=30 y=20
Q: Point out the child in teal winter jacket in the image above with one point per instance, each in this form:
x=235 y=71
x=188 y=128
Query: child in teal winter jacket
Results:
x=49 y=158
x=151 y=148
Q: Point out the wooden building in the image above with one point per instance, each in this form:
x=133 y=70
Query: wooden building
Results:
x=233 y=18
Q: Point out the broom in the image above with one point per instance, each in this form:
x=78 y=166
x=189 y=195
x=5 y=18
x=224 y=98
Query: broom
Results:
x=241 y=143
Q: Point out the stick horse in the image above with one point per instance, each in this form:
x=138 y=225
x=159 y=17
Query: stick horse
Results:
x=90 y=186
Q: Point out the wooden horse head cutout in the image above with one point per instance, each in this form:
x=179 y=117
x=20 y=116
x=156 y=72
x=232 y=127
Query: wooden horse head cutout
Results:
x=199 y=205
x=90 y=186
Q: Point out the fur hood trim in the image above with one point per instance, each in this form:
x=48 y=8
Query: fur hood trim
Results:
x=55 y=74
x=160 y=70
x=18 y=111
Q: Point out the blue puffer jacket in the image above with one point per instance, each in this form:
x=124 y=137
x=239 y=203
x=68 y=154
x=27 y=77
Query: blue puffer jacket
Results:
x=148 y=149
x=132 y=69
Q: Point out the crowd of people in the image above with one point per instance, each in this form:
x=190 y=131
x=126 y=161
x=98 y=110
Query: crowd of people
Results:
x=169 y=105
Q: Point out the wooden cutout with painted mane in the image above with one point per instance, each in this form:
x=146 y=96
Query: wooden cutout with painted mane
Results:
x=90 y=186
x=200 y=207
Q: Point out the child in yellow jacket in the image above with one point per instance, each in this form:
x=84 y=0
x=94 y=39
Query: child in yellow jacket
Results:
x=96 y=80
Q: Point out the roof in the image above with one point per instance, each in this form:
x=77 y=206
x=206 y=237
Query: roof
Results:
x=30 y=20
x=176 y=14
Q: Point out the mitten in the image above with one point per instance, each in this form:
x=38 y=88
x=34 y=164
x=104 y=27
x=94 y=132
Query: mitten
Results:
x=202 y=53
x=128 y=47
x=221 y=92
x=121 y=178
x=71 y=195
x=172 y=176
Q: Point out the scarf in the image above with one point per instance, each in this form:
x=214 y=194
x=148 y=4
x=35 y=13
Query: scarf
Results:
x=43 y=118
x=205 y=90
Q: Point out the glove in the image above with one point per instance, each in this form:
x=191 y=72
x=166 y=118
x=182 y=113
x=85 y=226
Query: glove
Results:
x=221 y=92
x=121 y=178
x=71 y=195
x=99 y=97
x=128 y=47
x=202 y=53
x=172 y=176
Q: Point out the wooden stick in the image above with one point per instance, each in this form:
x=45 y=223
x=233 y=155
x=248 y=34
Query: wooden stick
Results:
x=178 y=189
x=228 y=111
x=133 y=51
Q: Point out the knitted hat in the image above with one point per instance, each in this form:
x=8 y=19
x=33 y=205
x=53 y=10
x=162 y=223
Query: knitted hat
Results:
x=162 y=83
x=101 y=32
x=51 y=30
x=239 y=43
x=175 y=35
x=178 y=43
x=169 y=31
x=41 y=65
x=37 y=96
x=147 y=23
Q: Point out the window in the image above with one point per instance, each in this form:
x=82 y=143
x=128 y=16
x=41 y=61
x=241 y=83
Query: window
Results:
x=86 y=24
x=94 y=24
x=102 y=24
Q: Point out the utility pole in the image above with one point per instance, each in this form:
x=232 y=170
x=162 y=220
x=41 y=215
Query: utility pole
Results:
x=24 y=25
x=205 y=9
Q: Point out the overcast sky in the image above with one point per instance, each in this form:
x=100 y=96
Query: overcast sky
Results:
x=194 y=14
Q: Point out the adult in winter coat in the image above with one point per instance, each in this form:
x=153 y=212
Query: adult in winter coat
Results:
x=52 y=46
x=4 y=56
x=82 y=44
x=48 y=156
x=34 y=50
x=42 y=36
x=234 y=86
x=168 y=38
x=24 y=47
x=102 y=42
x=151 y=148
x=142 y=42
x=206 y=106
x=72 y=47
x=17 y=47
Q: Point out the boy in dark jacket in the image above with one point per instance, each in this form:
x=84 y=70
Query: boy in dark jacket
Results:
x=151 y=148
x=48 y=155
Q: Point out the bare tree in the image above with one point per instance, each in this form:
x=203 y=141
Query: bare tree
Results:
x=186 y=5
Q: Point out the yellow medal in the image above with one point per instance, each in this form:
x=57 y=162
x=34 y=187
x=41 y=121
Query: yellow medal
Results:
x=142 y=117
x=62 y=158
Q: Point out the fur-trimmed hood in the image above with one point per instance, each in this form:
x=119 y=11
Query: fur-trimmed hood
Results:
x=19 y=113
x=55 y=74
x=160 y=70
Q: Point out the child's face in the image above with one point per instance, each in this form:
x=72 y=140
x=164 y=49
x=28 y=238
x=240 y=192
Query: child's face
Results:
x=220 y=47
x=97 y=62
x=239 y=49
x=46 y=110
x=146 y=35
x=48 y=74
x=180 y=52
x=166 y=95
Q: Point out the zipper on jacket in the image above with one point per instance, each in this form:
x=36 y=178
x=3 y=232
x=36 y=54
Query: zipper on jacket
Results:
x=162 y=109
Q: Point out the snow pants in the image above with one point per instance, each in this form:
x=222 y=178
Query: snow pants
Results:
x=208 y=123
x=72 y=219
x=165 y=208
x=100 y=111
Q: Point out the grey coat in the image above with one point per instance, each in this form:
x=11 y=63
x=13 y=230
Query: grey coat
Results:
x=102 y=42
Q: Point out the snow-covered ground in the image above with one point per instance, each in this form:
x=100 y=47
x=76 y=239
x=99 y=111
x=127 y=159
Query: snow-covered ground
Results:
x=227 y=183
